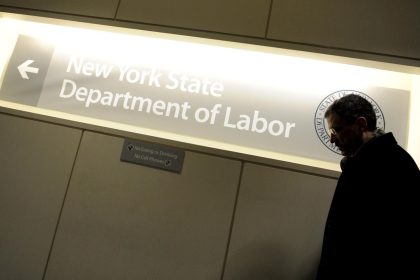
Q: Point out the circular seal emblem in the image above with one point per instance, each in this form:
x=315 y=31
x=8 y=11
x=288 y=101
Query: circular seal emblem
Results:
x=321 y=126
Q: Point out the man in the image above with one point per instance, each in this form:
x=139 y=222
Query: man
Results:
x=371 y=230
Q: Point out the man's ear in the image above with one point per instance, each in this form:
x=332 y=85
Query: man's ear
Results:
x=362 y=123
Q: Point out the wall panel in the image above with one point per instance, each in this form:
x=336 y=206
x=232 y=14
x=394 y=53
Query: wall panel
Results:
x=240 y=17
x=128 y=221
x=35 y=165
x=278 y=225
x=378 y=26
x=96 y=8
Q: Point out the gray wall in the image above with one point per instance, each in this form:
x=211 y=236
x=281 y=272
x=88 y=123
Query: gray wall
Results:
x=36 y=161
x=71 y=209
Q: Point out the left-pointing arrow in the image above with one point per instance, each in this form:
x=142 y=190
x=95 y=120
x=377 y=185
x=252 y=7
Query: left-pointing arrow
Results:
x=25 y=68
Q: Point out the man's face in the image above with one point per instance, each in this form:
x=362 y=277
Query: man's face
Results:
x=348 y=137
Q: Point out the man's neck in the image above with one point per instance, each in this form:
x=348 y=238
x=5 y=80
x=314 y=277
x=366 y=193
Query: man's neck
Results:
x=368 y=135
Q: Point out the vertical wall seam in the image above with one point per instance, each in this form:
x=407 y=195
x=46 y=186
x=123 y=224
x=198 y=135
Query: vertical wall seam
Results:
x=232 y=221
x=116 y=11
x=62 y=206
x=267 y=24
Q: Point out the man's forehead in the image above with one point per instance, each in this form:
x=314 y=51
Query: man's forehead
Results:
x=334 y=119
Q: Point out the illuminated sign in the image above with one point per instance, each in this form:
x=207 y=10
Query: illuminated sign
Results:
x=260 y=100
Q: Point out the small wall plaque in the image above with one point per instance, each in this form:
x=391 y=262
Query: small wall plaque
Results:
x=153 y=155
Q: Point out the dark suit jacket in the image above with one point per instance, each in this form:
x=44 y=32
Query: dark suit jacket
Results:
x=371 y=230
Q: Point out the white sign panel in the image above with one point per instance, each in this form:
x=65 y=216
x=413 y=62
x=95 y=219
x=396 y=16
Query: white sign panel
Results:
x=261 y=100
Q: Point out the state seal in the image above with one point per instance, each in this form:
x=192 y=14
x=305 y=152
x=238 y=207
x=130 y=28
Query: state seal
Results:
x=320 y=123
